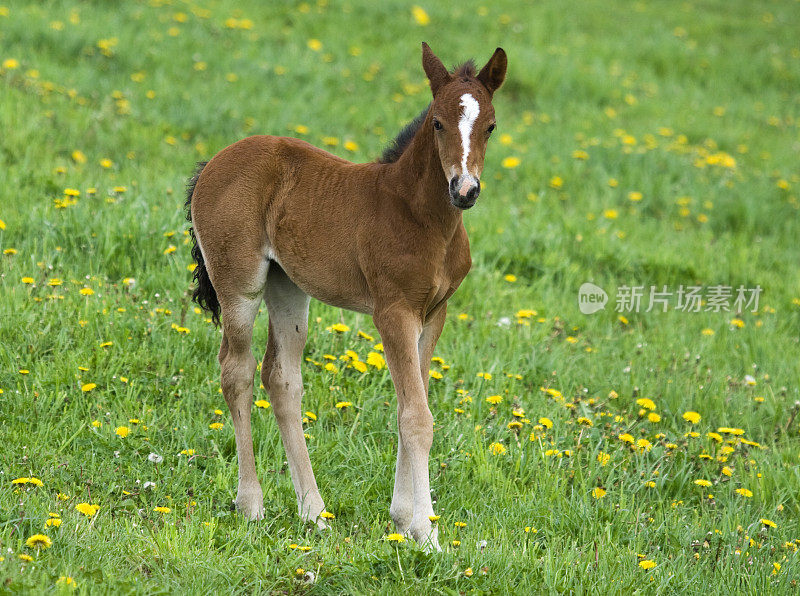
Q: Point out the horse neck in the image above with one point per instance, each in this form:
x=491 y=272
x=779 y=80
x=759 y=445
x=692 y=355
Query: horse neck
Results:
x=418 y=172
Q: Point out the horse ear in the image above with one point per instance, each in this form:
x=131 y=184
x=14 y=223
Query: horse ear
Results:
x=434 y=69
x=494 y=73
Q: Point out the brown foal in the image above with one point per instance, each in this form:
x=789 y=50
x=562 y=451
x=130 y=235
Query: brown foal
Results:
x=277 y=219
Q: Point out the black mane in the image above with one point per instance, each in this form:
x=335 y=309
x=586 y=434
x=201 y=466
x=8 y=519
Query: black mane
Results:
x=403 y=139
x=392 y=153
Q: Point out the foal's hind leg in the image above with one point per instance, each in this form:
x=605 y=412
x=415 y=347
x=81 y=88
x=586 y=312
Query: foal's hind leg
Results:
x=238 y=367
x=280 y=373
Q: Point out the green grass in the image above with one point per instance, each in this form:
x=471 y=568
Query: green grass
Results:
x=694 y=105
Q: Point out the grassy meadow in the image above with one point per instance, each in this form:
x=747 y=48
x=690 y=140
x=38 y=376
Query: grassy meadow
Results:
x=647 y=143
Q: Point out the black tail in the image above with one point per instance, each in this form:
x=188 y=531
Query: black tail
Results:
x=204 y=293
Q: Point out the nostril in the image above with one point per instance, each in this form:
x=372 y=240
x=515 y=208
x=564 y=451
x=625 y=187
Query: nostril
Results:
x=453 y=185
x=474 y=191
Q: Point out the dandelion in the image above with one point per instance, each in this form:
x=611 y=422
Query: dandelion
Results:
x=376 y=360
x=727 y=471
x=86 y=291
x=556 y=182
x=434 y=518
x=162 y=509
x=776 y=567
x=327 y=515
x=603 y=458
x=25 y=558
x=420 y=16
x=585 y=421
x=731 y=431
x=653 y=417
x=692 y=417
x=484 y=375
x=744 y=492
x=88 y=387
x=39 y=541
x=338 y=328
x=497 y=448
x=216 y=425
x=598 y=493
x=122 y=431
x=468 y=572
x=648 y=404
x=703 y=483
x=10 y=63
x=314 y=45
x=635 y=196
x=53 y=522
x=546 y=422
x=27 y=280
x=510 y=278
x=626 y=438
x=494 y=399
x=343 y=404
x=647 y=564
x=511 y=162
x=87 y=509
x=768 y=523
x=262 y=403
x=25 y=480
x=394 y=537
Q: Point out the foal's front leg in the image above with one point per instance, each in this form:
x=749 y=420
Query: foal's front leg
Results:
x=400 y=331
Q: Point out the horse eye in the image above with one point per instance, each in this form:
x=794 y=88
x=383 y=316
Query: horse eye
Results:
x=490 y=129
x=437 y=125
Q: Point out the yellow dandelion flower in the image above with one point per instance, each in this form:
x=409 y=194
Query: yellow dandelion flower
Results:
x=497 y=448
x=162 y=509
x=744 y=492
x=768 y=523
x=598 y=493
x=510 y=278
x=327 y=515
x=420 y=16
x=87 y=509
x=646 y=403
x=511 y=162
x=343 y=404
x=546 y=422
x=216 y=425
x=626 y=438
x=10 y=63
x=692 y=417
x=314 y=45
x=122 y=431
x=53 y=522
x=556 y=182
x=395 y=538
x=702 y=482
x=88 y=387
x=27 y=280
x=647 y=564
x=26 y=558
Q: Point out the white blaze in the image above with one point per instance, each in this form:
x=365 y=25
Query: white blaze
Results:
x=465 y=123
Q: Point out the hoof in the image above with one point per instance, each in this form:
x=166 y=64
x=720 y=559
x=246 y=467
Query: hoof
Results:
x=250 y=503
x=427 y=537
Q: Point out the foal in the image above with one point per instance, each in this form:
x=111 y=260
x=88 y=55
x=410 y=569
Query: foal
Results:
x=277 y=219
